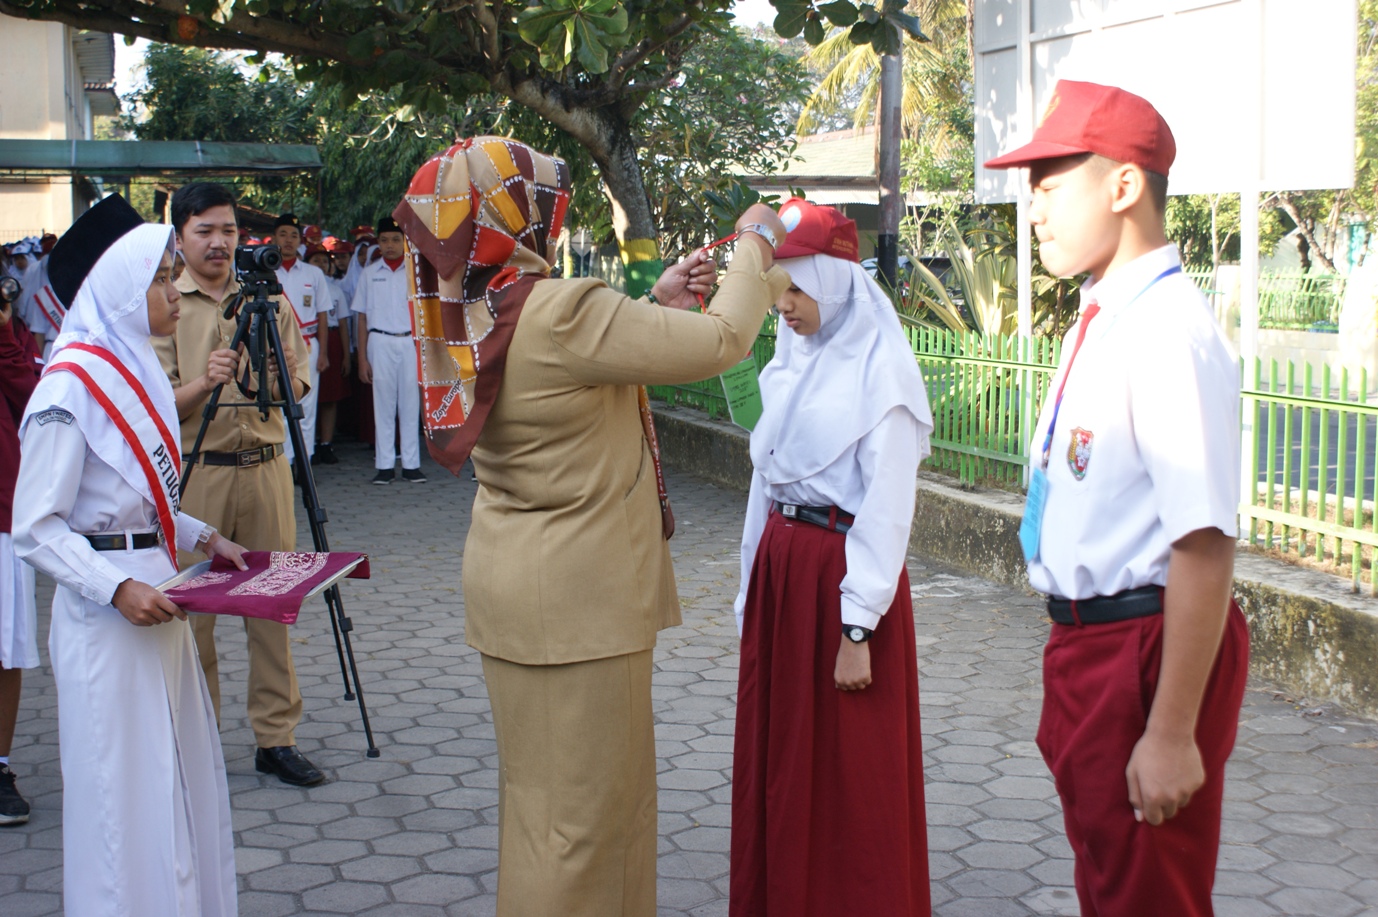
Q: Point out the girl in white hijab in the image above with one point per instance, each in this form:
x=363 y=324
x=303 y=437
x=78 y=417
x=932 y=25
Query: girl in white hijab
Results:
x=827 y=796
x=146 y=820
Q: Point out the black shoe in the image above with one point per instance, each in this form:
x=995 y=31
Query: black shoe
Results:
x=14 y=809
x=289 y=764
x=316 y=457
x=414 y=475
x=384 y=476
x=326 y=453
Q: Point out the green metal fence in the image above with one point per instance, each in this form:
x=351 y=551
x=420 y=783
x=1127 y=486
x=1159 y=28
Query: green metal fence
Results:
x=1311 y=453
x=985 y=392
x=1300 y=302
x=1312 y=464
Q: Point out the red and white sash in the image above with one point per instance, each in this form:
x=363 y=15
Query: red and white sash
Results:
x=308 y=328
x=52 y=307
x=125 y=400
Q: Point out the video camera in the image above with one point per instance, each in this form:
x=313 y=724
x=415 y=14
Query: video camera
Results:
x=256 y=266
x=9 y=290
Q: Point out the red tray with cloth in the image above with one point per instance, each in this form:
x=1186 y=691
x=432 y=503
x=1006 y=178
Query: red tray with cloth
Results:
x=274 y=586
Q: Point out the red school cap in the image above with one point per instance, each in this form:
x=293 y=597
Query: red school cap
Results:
x=814 y=230
x=1091 y=118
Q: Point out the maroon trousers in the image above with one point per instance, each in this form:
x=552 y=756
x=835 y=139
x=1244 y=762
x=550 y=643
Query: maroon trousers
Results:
x=827 y=786
x=1098 y=686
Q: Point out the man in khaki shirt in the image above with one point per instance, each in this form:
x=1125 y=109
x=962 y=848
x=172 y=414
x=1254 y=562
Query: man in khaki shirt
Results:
x=242 y=484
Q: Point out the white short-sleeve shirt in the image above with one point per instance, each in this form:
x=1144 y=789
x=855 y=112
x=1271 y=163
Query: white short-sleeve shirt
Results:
x=1146 y=448
x=305 y=286
x=382 y=295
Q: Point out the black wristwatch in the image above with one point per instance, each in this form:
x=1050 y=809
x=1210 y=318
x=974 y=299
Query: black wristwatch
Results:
x=856 y=633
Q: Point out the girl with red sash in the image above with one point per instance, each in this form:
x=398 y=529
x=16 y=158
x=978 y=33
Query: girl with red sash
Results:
x=827 y=776
x=146 y=818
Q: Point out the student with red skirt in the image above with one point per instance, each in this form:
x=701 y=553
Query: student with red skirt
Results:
x=827 y=797
x=336 y=361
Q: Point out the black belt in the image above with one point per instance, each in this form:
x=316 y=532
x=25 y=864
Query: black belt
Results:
x=391 y=334
x=140 y=542
x=1107 y=609
x=828 y=517
x=246 y=459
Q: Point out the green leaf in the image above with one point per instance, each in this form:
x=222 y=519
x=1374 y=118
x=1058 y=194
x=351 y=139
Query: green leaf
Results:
x=790 y=21
x=814 y=33
x=593 y=54
x=869 y=13
x=910 y=24
x=886 y=39
x=840 y=12
x=614 y=23
x=361 y=45
x=861 y=33
x=537 y=22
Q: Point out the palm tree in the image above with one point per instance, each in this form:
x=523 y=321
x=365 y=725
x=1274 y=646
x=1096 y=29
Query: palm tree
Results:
x=937 y=76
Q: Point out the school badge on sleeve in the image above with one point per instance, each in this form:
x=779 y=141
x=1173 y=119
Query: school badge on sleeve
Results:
x=1079 y=452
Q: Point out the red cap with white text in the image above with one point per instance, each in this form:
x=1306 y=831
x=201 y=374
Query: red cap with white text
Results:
x=814 y=230
x=1091 y=118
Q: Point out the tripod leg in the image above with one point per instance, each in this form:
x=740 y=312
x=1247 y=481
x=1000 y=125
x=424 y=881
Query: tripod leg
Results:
x=316 y=518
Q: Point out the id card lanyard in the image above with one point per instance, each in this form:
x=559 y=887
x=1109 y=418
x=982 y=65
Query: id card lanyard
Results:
x=1031 y=526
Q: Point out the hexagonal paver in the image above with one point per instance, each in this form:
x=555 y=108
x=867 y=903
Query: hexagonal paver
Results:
x=413 y=833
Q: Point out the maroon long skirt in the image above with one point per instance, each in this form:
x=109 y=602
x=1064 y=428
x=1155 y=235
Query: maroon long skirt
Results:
x=334 y=383
x=827 y=786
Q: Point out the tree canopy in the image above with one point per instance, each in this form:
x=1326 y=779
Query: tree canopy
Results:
x=692 y=135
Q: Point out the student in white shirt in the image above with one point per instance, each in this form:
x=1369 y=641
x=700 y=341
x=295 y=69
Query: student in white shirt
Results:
x=387 y=357
x=335 y=362
x=1131 y=520
x=827 y=796
x=145 y=808
x=306 y=288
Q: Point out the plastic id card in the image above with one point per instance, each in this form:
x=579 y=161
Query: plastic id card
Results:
x=1032 y=523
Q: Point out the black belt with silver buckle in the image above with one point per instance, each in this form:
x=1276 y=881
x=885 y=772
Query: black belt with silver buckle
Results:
x=246 y=459
x=140 y=542
x=1107 y=609
x=391 y=334
x=828 y=517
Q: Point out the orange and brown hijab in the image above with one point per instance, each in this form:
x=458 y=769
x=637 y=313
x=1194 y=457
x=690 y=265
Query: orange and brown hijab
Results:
x=479 y=218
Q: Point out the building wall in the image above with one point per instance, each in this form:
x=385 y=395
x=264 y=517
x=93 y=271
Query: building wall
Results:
x=42 y=100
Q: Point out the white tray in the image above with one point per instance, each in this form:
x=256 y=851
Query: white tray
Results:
x=195 y=570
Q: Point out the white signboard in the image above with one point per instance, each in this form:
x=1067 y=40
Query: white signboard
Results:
x=1267 y=82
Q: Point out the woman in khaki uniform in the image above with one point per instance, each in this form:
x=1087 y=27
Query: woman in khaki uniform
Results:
x=567 y=575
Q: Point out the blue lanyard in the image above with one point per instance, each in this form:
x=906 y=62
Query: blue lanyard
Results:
x=1086 y=321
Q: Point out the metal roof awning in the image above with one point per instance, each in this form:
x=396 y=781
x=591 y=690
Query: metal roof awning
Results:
x=123 y=159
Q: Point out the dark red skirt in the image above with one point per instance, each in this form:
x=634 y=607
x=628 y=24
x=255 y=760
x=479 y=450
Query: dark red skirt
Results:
x=827 y=787
x=334 y=385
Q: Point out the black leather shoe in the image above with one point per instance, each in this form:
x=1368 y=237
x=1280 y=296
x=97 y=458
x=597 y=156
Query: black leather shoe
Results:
x=289 y=764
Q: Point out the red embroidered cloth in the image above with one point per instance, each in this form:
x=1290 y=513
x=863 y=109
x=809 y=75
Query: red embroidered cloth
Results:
x=273 y=587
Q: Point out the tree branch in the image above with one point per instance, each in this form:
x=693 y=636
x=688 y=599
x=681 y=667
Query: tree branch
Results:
x=645 y=48
x=1284 y=202
x=488 y=25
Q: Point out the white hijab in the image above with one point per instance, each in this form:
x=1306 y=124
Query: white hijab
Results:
x=111 y=311
x=825 y=391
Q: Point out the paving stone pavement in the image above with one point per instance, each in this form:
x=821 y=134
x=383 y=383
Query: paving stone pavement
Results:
x=413 y=833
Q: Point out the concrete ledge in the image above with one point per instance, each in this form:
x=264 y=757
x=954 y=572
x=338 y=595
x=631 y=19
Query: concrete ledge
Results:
x=1308 y=632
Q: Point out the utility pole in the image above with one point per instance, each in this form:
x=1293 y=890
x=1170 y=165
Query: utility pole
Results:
x=888 y=154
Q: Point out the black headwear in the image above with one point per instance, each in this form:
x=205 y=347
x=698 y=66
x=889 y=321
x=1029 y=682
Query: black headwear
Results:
x=82 y=245
x=388 y=224
x=288 y=219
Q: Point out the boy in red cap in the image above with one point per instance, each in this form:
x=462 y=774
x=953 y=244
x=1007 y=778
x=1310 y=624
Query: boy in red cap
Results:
x=1130 y=524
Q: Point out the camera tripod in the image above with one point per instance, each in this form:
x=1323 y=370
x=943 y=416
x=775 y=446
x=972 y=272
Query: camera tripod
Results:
x=257 y=330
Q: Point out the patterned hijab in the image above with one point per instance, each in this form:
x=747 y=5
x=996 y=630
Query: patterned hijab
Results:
x=479 y=218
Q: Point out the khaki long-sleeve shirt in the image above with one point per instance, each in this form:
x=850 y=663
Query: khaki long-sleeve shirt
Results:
x=202 y=329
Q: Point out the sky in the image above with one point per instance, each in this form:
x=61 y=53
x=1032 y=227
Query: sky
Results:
x=129 y=58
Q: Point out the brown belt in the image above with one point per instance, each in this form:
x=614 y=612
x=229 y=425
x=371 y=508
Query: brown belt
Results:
x=246 y=459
